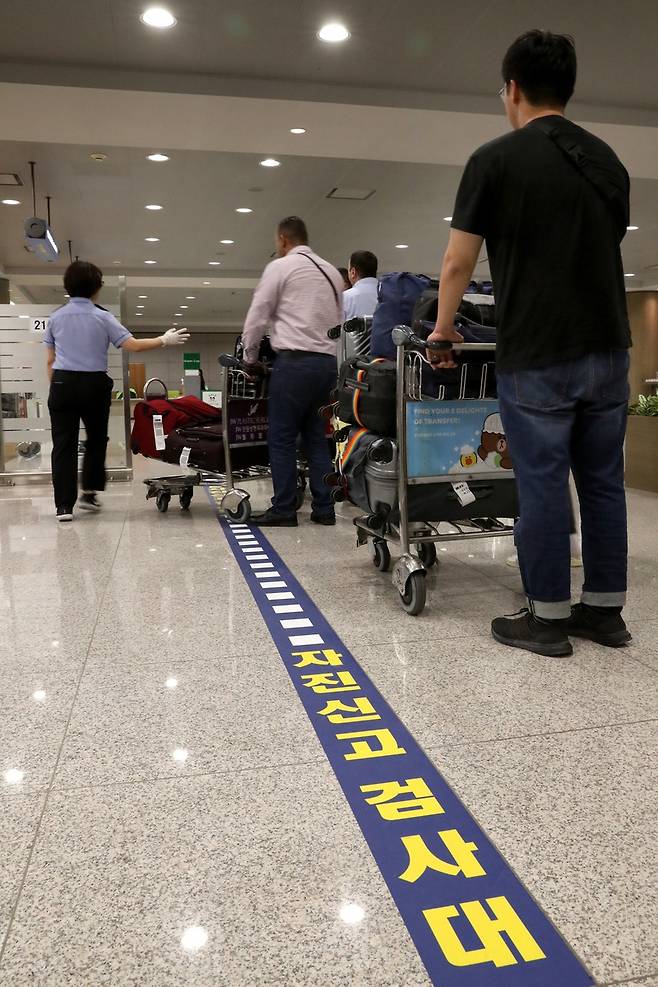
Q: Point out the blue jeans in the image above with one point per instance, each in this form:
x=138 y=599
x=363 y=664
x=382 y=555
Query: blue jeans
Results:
x=569 y=416
x=299 y=387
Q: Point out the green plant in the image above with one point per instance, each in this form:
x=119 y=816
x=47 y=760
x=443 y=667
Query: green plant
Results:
x=647 y=406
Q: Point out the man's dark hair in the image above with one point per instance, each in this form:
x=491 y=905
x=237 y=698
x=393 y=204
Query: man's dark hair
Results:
x=344 y=275
x=365 y=263
x=294 y=228
x=544 y=66
x=82 y=279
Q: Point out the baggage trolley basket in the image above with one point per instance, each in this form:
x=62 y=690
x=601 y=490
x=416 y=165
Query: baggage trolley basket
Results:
x=240 y=386
x=410 y=570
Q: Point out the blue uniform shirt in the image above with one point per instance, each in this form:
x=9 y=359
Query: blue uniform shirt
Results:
x=80 y=333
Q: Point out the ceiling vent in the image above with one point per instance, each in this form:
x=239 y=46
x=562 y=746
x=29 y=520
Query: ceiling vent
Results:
x=341 y=192
x=8 y=179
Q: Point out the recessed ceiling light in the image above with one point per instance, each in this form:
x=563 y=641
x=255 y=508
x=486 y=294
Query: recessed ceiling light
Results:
x=138 y=313
x=190 y=298
x=205 y=282
x=297 y=130
x=153 y=207
x=333 y=33
x=227 y=242
x=185 y=306
x=116 y=262
x=158 y=17
x=244 y=209
x=11 y=202
x=142 y=296
x=140 y=306
x=447 y=219
x=632 y=227
x=157 y=157
x=177 y=314
x=401 y=246
x=270 y=163
x=214 y=263
x=98 y=156
x=152 y=239
x=629 y=275
x=150 y=262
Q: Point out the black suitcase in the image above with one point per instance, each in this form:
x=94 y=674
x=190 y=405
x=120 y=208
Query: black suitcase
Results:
x=366 y=395
x=206 y=445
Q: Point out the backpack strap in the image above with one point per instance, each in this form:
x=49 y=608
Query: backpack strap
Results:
x=599 y=175
x=324 y=274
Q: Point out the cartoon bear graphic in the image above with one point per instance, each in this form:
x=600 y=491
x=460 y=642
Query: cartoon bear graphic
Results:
x=494 y=442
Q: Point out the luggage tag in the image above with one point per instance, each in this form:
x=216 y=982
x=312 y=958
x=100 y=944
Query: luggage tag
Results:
x=464 y=493
x=158 y=432
x=185 y=457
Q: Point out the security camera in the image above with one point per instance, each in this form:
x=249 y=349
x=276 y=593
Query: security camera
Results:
x=39 y=239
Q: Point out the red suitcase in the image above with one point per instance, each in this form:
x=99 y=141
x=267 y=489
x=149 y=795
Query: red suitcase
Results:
x=175 y=413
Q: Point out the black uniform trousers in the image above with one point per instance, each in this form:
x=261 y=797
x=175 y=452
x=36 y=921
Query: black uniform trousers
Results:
x=76 y=395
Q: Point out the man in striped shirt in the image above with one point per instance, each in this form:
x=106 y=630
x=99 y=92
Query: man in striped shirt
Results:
x=298 y=299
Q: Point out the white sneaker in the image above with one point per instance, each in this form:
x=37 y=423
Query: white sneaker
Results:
x=64 y=514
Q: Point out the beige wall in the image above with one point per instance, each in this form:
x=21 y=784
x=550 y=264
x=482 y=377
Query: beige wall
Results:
x=643 y=314
x=167 y=363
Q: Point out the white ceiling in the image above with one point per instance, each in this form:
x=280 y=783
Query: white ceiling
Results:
x=397 y=109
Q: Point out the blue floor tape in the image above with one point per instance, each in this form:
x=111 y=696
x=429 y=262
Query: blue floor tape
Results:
x=473 y=922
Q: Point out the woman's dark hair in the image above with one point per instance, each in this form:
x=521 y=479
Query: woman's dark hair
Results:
x=294 y=229
x=544 y=67
x=365 y=263
x=82 y=279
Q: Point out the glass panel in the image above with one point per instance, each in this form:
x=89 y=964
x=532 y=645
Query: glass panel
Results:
x=25 y=440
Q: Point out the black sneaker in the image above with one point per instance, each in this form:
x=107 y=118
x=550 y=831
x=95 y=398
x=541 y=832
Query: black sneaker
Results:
x=89 y=502
x=603 y=625
x=543 y=637
x=64 y=514
x=326 y=519
x=270 y=519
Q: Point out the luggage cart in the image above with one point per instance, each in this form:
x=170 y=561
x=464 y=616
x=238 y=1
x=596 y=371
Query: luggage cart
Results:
x=449 y=497
x=244 y=429
x=239 y=387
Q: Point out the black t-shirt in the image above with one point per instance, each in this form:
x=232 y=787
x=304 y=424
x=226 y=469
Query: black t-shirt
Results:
x=553 y=244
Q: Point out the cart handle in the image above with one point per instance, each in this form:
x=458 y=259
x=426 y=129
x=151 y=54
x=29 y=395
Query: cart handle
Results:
x=404 y=336
x=230 y=362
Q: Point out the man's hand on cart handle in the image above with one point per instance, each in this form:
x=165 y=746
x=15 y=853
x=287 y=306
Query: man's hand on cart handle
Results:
x=443 y=358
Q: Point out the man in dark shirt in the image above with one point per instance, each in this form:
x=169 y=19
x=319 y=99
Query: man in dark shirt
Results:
x=551 y=201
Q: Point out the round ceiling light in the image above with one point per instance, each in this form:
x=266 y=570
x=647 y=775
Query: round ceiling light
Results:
x=447 y=219
x=190 y=298
x=632 y=227
x=152 y=239
x=227 y=243
x=297 y=130
x=244 y=209
x=270 y=163
x=185 y=306
x=142 y=296
x=214 y=263
x=177 y=314
x=205 y=282
x=401 y=246
x=150 y=262
x=153 y=207
x=157 y=157
x=98 y=156
x=629 y=275
x=11 y=202
x=158 y=17
x=140 y=306
x=333 y=33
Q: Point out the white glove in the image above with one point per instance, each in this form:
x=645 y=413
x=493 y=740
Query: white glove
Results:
x=175 y=337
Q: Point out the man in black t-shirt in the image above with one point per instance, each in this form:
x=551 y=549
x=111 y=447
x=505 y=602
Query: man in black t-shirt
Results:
x=551 y=201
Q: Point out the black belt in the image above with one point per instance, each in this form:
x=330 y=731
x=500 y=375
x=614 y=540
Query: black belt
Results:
x=297 y=354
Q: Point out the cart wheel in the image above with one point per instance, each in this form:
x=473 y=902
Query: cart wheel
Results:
x=338 y=496
x=382 y=557
x=301 y=489
x=186 y=499
x=162 y=501
x=242 y=513
x=427 y=554
x=415 y=593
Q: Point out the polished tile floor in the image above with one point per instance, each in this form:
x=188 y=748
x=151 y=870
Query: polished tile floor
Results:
x=168 y=817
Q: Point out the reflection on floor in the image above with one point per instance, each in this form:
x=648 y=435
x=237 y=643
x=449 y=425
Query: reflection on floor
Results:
x=167 y=815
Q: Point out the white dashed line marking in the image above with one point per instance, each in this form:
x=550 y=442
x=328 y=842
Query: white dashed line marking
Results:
x=298 y=622
x=280 y=596
x=297 y=639
x=288 y=608
x=277 y=584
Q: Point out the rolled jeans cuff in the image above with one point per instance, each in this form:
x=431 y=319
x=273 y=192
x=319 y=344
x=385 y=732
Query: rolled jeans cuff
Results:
x=559 y=610
x=603 y=599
